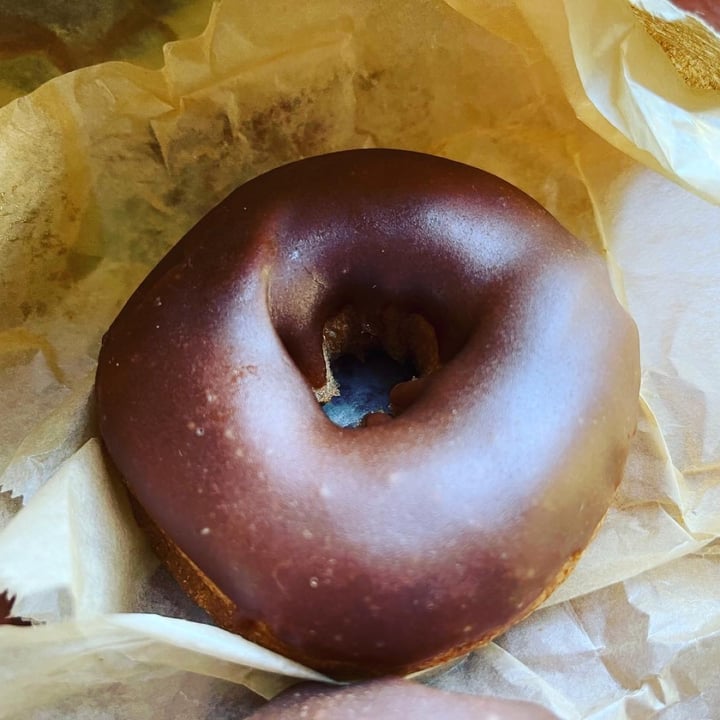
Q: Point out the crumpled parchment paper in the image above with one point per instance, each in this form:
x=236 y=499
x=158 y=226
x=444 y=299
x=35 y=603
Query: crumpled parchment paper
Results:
x=103 y=169
x=46 y=38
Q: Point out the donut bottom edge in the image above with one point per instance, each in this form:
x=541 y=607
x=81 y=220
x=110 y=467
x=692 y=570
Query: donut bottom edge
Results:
x=209 y=597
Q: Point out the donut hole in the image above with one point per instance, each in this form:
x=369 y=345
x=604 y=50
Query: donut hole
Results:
x=375 y=362
x=365 y=386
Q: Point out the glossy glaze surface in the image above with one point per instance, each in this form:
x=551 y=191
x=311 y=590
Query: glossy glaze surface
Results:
x=392 y=700
x=394 y=546
x=708 y=10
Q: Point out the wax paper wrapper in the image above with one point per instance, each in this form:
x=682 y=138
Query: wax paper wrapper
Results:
x=104 y=168
x=46 y=38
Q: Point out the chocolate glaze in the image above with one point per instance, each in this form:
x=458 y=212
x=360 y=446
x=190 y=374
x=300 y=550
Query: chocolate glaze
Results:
x=391 y=547
x=392 y=699
x=708 y=10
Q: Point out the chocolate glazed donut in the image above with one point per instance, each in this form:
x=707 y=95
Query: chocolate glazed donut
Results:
x=392 y=699
x=396 y=546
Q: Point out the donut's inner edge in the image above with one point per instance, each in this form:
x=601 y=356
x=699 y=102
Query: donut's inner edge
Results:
x=405 y=337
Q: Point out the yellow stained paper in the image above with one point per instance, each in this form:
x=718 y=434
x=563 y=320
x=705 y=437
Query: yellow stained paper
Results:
x=622 y=85
x=102 y=170
x=46 y=38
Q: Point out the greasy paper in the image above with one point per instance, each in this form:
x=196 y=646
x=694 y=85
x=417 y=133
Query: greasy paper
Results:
x=102 y=170
x=46 y=38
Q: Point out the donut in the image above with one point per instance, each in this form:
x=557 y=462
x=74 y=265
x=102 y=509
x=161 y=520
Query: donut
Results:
x=391 y=699
x=412 y=539
x=708 y=10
